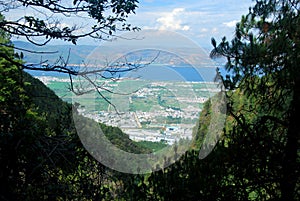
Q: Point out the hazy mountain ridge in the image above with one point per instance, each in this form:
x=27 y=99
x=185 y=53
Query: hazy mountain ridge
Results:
x=51 y=53
x=86 y=54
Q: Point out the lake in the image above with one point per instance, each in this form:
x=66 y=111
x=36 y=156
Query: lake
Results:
x=153 y=72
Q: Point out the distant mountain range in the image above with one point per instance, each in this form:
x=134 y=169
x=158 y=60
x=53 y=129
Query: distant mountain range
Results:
x=76 y=54
x=79 y=54
x=99 y=56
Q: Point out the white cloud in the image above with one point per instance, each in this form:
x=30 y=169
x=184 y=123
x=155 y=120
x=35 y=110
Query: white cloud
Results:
x=214 y=30
x=231 y=23
x=171 y=21
x=203 y=30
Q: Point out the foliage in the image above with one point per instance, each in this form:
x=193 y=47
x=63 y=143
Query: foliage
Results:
x=122 y=141
x=243 y=165
x=256 y=159
x=98 y=19
x=41 y=156
x=153 y=146
x=264 y=61
x=37 y=140
x=106 y=17
x=258 y=155
x=201 y=128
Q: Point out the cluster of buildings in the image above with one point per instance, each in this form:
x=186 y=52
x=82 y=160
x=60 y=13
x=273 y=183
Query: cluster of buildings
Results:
x=163 y=123
x=149 y=126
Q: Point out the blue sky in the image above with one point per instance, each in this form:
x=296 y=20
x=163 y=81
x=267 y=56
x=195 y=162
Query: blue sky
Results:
x=198 y=20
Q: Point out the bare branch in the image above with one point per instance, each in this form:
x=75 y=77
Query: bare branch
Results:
x=107 y=17
x=26 y=50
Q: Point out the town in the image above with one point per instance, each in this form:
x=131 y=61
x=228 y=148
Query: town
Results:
x=154 y=111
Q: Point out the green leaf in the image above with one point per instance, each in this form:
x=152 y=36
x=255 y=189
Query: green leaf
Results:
x=213 y=42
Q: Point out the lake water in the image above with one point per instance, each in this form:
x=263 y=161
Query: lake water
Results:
x=154 y=72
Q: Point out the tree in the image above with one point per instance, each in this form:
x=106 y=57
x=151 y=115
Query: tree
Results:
x=98 y=19
x=263 y=62
x=41 y=156
x=106 y=16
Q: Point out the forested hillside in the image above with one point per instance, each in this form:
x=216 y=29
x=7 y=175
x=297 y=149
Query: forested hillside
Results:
x=41 y=156
x=246 y=164
x=256 y=158
x=43 y=159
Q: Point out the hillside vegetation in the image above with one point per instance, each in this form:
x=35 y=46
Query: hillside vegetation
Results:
x=41 y=156
x=256 y=158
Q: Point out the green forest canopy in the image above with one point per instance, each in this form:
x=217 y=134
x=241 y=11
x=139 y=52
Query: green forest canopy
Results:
x=256 y=159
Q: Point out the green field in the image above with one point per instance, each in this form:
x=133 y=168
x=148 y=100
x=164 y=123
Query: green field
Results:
x=137 y=95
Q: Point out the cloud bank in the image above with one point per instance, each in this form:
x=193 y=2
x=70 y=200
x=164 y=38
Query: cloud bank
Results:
x=171 y=21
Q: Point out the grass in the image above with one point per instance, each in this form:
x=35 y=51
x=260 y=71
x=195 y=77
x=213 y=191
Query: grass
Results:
x=154 y=146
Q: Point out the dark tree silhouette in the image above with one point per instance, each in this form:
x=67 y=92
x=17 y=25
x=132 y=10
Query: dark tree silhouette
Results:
x=106 y=17
x=263 y=60
x=60 y=20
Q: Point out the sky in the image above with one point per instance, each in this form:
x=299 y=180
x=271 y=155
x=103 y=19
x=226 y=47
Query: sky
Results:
x=198 y=20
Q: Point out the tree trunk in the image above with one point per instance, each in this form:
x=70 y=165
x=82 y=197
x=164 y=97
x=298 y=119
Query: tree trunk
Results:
x=290 y=171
